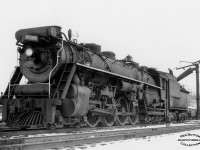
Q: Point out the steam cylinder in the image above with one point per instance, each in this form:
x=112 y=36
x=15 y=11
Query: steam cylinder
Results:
x=77 y=101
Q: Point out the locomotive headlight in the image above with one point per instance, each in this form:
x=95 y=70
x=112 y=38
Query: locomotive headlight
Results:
x=29 y=52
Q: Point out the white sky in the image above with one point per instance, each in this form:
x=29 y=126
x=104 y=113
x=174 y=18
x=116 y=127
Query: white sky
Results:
x=156 y=33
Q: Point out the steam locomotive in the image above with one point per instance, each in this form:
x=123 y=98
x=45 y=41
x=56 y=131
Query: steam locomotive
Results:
x=71 y=84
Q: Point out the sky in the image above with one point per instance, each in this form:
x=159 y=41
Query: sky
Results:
x=155 y=33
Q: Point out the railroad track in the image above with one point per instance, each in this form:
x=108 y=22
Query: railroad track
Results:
x=7 y=132
x=44 y=141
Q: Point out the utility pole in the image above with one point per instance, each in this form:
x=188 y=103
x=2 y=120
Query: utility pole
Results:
x=197 y=92
x=188 y=72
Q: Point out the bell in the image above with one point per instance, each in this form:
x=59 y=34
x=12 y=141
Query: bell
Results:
x=129 y=58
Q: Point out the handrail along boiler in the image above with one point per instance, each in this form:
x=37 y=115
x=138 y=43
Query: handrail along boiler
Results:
x=77 y=84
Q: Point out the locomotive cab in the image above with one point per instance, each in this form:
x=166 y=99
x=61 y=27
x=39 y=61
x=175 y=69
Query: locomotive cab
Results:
x=175 y=97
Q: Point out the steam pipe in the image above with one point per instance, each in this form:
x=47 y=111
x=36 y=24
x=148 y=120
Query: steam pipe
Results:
x=54 y=68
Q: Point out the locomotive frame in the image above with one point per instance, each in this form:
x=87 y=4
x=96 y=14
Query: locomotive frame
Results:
x=72 y=84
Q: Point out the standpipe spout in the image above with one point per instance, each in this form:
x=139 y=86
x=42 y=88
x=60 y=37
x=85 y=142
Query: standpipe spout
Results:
x=185 y=73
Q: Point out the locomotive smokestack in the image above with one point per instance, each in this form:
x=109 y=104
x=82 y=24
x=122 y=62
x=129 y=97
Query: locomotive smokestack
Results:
x=185 y=74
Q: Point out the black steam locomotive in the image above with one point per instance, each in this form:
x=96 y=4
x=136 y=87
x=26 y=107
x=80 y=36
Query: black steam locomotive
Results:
x=69 y=84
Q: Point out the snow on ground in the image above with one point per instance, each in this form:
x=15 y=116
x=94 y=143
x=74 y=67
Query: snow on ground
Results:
x=159 y=142
x=115 y=129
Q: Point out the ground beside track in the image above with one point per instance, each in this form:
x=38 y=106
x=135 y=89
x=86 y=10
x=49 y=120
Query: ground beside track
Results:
x=158 y=142
x=59 y=140
x=6 y=132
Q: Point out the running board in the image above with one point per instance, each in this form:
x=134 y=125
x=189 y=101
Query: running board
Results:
x=121 y=76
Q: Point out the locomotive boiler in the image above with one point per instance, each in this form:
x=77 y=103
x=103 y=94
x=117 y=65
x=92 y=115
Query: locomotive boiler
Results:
x=69 y=84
